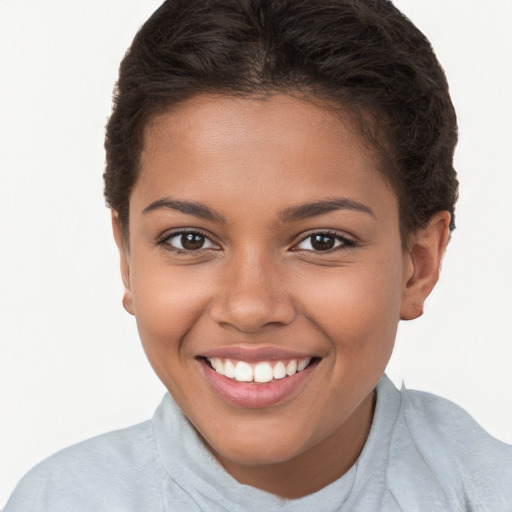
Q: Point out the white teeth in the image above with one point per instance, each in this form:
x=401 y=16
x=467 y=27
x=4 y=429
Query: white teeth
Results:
x=218 y=366
x=279 y=371
x=243 y=372
x=229 y=369
x=291 y=369
x=302 y=364
x=263 y=372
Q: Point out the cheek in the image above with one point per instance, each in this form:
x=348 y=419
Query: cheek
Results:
x=167 y=303
x=358 y=306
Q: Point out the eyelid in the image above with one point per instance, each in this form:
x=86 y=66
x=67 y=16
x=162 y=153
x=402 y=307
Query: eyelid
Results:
x=163 y=240
x=346 y=241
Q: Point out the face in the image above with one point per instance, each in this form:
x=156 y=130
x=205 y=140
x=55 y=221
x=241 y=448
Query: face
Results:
x=266 y=273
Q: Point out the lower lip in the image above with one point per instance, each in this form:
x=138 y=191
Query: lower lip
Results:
x=255 y=395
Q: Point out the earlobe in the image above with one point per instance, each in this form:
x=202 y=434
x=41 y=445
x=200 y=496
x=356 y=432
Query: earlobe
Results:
x=423 y=264
x=124 y=262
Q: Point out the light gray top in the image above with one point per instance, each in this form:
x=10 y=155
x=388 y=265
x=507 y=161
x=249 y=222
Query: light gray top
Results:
x=423 y=454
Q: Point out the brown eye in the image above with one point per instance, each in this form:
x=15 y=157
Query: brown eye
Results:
x=192 y=241
x=189 y=241
x=322 y=242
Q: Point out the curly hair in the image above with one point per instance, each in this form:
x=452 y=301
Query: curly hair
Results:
x=362 y=56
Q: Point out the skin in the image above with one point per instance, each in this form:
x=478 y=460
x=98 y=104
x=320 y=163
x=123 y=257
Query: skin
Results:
x=258 y=281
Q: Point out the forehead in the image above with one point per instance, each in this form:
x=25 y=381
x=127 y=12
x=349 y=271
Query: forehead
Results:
x=279 y=147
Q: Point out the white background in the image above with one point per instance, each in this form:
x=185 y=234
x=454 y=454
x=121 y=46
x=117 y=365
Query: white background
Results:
x=71 y=365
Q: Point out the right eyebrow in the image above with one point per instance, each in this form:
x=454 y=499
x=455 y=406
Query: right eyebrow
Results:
x=190 y=207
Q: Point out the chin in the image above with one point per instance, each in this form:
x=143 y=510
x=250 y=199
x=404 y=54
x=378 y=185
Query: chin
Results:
x=258 y=448
x=257 y=455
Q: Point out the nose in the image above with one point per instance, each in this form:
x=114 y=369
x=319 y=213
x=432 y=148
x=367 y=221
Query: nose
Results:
x=253 y=294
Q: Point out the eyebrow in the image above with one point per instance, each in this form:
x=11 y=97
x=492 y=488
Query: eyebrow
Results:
x=307 y=210
x=191 y=207
x=291 y=214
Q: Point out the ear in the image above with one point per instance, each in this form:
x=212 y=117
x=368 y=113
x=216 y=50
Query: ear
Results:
x=125 y=262
x=423 y=263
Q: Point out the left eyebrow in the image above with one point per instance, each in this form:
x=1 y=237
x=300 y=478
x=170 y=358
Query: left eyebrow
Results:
x=190 y=207
x=307 y=210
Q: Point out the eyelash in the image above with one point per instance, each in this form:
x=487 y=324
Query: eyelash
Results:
x=164 y=241
x=343 y=242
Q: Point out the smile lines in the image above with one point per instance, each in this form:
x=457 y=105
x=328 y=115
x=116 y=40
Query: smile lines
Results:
x=264 y=371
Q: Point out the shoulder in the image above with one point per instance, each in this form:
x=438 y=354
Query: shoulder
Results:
x=434 y=417
x=98 y=474
x=457 y=451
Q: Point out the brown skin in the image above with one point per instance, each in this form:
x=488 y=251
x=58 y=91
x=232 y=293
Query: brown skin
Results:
x=257 y=280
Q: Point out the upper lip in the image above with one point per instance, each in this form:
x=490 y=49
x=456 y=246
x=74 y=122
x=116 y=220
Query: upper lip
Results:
x=253 y=354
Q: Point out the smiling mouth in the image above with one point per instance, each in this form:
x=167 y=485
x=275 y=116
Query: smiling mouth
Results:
x=257 y=378
x=261 y=372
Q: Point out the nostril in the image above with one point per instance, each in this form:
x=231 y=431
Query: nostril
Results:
x=250 y=314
